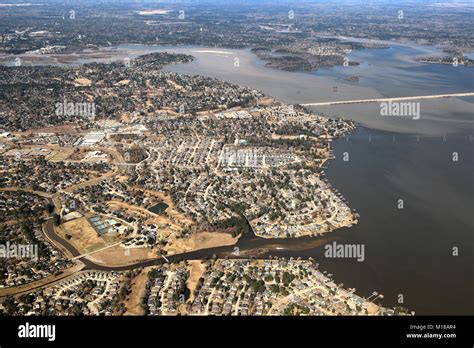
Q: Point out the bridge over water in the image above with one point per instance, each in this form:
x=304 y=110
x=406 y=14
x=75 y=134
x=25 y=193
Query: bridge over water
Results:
x=378 y=100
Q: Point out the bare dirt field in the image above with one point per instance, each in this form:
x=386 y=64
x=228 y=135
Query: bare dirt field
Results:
x=62 y=154
x=133 y=302
x=200 y=240
x=119 y=256
x=84 y=236
x=82 y=82
x=197 y=269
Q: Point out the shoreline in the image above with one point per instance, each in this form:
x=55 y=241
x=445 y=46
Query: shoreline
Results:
x=112 y=53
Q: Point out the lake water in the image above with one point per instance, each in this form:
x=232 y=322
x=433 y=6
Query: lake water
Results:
x=409 y=251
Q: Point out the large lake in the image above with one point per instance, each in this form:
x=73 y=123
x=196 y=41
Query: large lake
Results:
x=409 y=251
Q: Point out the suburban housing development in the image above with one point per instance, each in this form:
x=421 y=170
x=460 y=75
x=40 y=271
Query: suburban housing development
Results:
x=128 y=187
x=186 y=164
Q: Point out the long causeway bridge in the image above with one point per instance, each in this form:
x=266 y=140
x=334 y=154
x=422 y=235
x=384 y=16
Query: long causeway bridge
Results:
x=378 y=100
